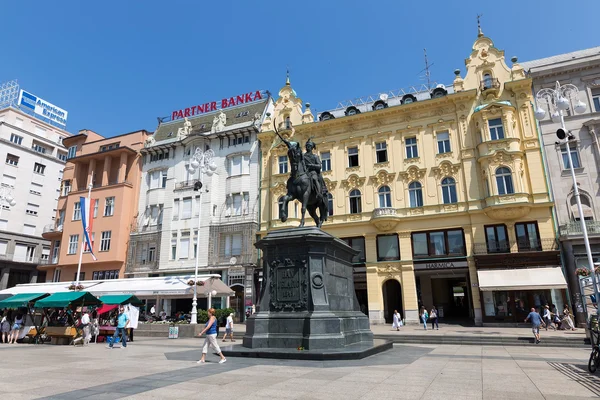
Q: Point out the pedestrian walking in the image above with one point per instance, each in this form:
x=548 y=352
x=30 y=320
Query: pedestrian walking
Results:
x=211 y=338
x=17 y=326
x=433 y=316
x=548 y=317
x=5 y=327
x=122 y=323
x=536 y=321
x=424 y=316
x=229 y=328
x=84 y=325
x=397 y=320
x=567 y=320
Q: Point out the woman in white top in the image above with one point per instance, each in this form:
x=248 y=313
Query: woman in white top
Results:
x=17 y=326
x=5 y=327
x=397 y=320
x=229 y=328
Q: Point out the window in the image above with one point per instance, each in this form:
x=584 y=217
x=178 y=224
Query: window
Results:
x=279 y=207
x=283 y=164
x=325 y=161
x=174 y=248
x=38 y=148
x=12 y=160
x=411 y=148
x=233 y=245
x=329 y=204
x=73 y=240
x=55 y=251
x=39 y=168
x=381 y=152
x=415 y=194
x=443 y=140
x=449 y=190
x=596 y=99
x=96 y=202
x=385 y=197
x=151 y=253
x=175 y=209
x=504 y=181
x=528 y=236
x=9 y=181
x=105 y=241
x=32 y=209
x=109 y=206
x=61 y=156
x=66 y=188
x=72 y=152
x=487 y=81
x=16 y=138
x=61 y=218
x=496 y=129
x=237 y=204
x=358 y=244
x=574 y=156
x=187 y=208
x=86 y=248
x=56 y=276
x=388 y=248
x=352 y=157
x=438 y=243
x=496 y=239
x=163 y=178
x=81 y=276
x=184 y=248
x=105 y=275
x=3 y=247
x=355 y=202
x=77 y=211
x=108 y=147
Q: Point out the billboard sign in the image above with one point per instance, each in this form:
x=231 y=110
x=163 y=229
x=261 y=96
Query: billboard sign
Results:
x=245 y=98
x=43 y=109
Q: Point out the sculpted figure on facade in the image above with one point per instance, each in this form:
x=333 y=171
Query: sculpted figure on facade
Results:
x=219 y=122
x=185 y=130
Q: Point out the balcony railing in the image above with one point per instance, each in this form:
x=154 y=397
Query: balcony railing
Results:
x=487 y=84
x=52 y=228
x=574 y=228
x=136 y=228
x=99 y=185
x=185 y=184
x=379 y=212
x=519 y=246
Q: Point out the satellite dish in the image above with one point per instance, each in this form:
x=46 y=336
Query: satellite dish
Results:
x=233 y=261
x=383 y=96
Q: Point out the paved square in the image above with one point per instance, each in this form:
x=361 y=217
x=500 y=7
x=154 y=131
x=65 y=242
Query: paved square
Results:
x=157 y=368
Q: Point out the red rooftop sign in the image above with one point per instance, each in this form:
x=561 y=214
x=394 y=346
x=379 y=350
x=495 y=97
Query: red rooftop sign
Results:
x=214 y=105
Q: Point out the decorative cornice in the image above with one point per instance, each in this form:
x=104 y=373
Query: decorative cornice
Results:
x=446 y=168
x=353 y=182
x=413 y=173
x=382 y=178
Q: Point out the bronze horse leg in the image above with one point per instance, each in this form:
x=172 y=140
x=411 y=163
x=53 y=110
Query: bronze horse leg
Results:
x=283 y=212
x=312 y=210
x=305 y=197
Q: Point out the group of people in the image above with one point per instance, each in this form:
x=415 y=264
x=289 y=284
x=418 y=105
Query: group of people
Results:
x=431 y=316
x=549 y=318
x=10 y=326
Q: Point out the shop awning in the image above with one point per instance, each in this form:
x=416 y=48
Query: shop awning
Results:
x=65 y=299
x=521 y=279
x=116 y=299
x=106 y=308
x=21 y=300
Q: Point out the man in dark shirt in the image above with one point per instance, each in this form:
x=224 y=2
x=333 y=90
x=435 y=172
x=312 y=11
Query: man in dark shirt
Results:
x=536 y=321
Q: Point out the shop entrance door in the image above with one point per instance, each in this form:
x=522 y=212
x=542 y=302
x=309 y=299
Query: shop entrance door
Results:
x=237 y=303
x=392 y=299
x=452 y=298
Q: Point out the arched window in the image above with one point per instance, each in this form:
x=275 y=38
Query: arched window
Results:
x=279 y=205
x=329 y=204
x=355 y=202
x=586 y=206
x=449 y=190
x=487 y=80
x=504 y=181
x=415 y=193
x=385 y=197
x=288 y=123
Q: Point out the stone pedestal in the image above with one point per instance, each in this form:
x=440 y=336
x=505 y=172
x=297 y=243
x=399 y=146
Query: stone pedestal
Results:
x=308 y=298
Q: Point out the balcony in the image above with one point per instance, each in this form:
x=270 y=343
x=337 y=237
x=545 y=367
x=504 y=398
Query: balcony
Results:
x=137 y=229
x=574 y=228
x=101 y=185
x=385 y=219
x=516 y=253
x=185 y=185
x=52 y=230
x=490 y=86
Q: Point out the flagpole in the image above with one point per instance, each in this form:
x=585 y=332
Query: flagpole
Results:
x=83 y=236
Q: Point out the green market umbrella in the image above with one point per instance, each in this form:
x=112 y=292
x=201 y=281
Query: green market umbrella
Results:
x=21 y=300
x=64 y=299
x=111 y=299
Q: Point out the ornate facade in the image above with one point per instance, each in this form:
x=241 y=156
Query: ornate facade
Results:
x=435 y=188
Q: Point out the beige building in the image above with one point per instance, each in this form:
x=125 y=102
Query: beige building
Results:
x=442 y=190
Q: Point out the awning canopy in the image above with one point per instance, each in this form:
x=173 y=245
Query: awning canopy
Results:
x=21 y=300
x=521 y=279
x=117 y=299
x=65 y=299
x=164 y=286
x=106 y=308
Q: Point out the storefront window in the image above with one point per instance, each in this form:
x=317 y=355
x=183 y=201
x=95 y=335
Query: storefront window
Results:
x=357 y=243
x=438 y=244
x=456 y=244
x=387 y=248
x=420 y=247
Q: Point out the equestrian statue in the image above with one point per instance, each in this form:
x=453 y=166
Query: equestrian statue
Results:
x=306 y=183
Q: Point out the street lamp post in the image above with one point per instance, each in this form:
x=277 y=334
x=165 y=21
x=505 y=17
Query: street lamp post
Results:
x=201 y=161
x=556 y=101
x=6 y=198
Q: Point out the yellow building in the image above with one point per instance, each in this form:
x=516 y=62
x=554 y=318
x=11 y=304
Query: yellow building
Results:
x=443 y=191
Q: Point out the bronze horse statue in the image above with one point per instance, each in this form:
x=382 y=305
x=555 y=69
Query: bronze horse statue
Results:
x=300 y=186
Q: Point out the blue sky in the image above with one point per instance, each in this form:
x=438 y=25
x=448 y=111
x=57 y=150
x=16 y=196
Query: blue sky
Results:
x=117 y=65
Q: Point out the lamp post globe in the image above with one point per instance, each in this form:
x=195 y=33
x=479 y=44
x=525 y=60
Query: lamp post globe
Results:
x=580 y=107
x=195 y=163
x=539 y=113
x=562 y=103
x=213 y=167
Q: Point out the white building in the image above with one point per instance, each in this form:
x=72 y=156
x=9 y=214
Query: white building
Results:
x=164 y=240
x=34 y=158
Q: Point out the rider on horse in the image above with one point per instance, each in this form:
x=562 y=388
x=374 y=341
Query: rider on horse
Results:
x=313 y=166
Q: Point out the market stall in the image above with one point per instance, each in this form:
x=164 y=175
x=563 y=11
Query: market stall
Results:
x=110 y=303
x=33 y=322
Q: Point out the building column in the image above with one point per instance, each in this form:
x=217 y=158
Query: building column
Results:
x=409 y=294
x=375 y=296
x=106 y=170
x=4 y=278
x=475 y=294
x=122 y=167
x=91 y=168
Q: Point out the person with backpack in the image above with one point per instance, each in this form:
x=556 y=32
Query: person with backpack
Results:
x=433 y=316
x=424 y=316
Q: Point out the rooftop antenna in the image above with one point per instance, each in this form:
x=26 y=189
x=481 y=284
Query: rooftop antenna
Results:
x=427 y=72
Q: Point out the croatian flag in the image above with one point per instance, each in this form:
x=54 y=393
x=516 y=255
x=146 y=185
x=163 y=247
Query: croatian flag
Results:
x=87 y=219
